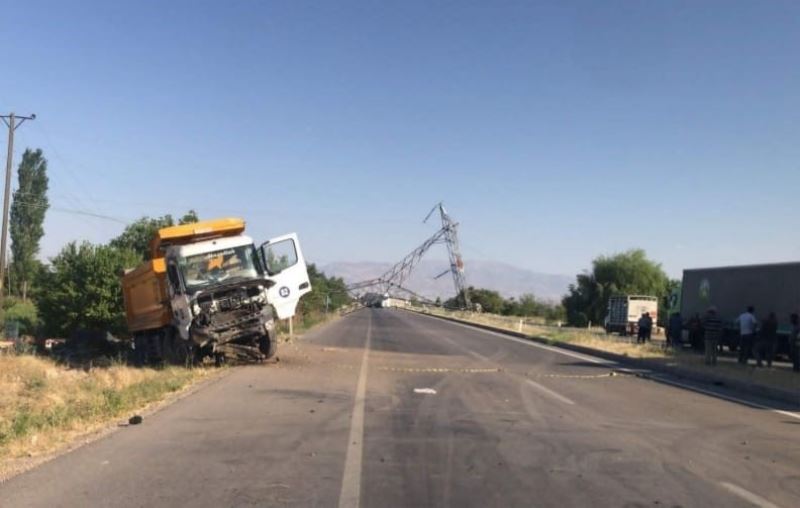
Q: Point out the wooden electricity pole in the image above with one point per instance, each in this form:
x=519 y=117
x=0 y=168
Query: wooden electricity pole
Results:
x=11 y=122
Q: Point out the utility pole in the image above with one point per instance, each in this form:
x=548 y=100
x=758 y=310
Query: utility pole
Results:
x=11 y=122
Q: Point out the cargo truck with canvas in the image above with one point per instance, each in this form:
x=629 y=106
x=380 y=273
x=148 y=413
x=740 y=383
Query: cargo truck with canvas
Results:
x=768 y=287
x=207 y=291
x=624 y=312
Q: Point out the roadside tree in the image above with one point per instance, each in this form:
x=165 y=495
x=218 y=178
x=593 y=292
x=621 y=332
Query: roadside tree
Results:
x=137 y=235
x=26 y=221
x=629 y=272
x=81 y=289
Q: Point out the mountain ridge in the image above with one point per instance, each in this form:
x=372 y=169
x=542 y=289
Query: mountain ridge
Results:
x=502 y=277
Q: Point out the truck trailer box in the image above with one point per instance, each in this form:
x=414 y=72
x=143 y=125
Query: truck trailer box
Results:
x=767 y=287
x=624 y=312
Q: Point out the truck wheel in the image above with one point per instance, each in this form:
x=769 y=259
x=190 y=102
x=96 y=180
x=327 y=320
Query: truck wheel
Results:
x=168 y=348
x=268 y=344
x=139 y=354
x=182 y=352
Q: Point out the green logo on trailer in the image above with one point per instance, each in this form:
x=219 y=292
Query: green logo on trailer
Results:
x=674 y=301
x=705 y=290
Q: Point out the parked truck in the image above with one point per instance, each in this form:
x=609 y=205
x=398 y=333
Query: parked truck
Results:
x=768 y=287
x=207 y=291
x=624 y=312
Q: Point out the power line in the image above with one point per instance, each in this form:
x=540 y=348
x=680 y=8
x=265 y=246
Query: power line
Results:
x=66 y=165
x=73 y=211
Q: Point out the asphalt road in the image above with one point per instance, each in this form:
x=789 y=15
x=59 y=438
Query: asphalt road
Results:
x=339 y=422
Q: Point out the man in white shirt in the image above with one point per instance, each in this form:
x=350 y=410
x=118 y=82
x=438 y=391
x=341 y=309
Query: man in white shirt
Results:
x=747 y=331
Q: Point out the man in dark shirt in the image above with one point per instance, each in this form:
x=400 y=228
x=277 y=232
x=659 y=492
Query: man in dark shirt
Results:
x=695 y=327
x=675 y=330
x=767 y=340
x=712 y=327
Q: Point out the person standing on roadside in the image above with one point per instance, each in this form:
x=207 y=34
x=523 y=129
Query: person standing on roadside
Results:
x=747 y=331
x=767 y=338
x=674 y=330
x=712 y=328
x=640 y=333
x=695 y=327
x=794 y=341
x=648 y=327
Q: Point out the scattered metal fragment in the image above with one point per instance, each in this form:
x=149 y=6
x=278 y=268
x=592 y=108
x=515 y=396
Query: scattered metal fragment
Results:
x=425 y=391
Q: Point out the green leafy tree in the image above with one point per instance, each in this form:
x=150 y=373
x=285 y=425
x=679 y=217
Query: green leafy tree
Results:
x=525 y=306
x=489 y=300
x=330 y=292
x=23 y=312
x=327 y=293
x=82 y=290
x=138 y=235
x=189 y=217
x=26 y=221
x=625 y=273
x=511 y=307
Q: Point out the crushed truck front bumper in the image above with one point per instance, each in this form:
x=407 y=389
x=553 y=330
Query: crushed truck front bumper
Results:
x=236 y=332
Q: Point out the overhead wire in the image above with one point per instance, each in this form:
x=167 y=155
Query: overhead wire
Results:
x=53 y=176
x=57 y=208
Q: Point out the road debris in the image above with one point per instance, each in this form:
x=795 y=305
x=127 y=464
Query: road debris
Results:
x=425 y=391
x=135 y=420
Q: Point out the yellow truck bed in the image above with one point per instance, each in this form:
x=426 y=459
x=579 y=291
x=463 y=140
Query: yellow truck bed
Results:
x=146 y=300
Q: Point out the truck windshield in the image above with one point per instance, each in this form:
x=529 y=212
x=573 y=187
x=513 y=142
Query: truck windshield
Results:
x=226 y=265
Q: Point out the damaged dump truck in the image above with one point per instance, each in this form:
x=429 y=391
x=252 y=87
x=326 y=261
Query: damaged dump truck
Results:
x=207 y=291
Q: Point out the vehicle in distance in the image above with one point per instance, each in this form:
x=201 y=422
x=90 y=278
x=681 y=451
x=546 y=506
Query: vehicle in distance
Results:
x=768 y=287
x=624 y=312
x=207 y=291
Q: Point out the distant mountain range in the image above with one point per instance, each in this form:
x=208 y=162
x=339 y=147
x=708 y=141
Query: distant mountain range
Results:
x=506 y=279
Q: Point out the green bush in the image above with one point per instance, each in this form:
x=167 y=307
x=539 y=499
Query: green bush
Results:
x=24 y=313
x=82 y=289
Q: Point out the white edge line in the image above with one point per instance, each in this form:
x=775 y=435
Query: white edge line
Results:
x=748 y=496
x=610 y=363
x=550 y=392
x=729 y=398
x=350 y=495
x=526 y=342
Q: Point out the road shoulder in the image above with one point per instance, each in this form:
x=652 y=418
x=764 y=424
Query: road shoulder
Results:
x=788 y=400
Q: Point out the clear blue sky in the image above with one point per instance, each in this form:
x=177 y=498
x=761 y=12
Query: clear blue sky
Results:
x=553 y=131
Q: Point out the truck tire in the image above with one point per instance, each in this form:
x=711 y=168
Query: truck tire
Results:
x=182 y=352
x=268 y=344
x=168 y=348
x=139 y=353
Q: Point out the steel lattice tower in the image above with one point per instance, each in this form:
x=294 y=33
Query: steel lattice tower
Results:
x=393 y=280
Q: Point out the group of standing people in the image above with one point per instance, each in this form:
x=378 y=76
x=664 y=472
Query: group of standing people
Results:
x=761 y=341
x=645 y=328
x=756 y=339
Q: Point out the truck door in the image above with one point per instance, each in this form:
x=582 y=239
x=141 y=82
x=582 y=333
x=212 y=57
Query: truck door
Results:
x=286 y=267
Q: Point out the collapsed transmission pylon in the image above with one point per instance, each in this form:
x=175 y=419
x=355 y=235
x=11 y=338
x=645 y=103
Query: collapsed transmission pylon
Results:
x=392 y=281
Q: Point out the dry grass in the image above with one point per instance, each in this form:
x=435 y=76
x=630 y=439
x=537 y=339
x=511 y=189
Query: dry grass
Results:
x=44 y=405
